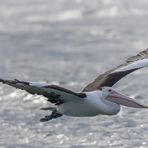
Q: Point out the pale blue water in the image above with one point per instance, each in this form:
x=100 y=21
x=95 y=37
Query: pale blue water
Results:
x=70 y=42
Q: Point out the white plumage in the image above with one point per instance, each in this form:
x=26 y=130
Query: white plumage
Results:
x=96 y=98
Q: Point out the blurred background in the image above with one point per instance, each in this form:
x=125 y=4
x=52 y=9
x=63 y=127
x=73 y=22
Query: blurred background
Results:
x=70 y=42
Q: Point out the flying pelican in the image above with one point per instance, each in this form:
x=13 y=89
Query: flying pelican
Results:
x=96 y=98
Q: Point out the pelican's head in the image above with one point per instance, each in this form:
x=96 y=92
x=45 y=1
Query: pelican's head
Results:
x=111 y=95
x=106 y=91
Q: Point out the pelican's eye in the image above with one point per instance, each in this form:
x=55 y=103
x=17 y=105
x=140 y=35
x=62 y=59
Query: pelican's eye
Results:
x=109 y=90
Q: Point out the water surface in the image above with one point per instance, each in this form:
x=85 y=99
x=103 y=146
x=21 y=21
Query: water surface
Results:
x=70 y=42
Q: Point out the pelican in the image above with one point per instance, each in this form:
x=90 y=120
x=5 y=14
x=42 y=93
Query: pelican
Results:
x=96 y=98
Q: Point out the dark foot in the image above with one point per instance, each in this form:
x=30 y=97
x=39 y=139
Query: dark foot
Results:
x=57 y=115
x=46 y=118
x=53 y=115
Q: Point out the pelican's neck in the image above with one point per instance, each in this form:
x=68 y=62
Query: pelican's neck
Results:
x=99 y=101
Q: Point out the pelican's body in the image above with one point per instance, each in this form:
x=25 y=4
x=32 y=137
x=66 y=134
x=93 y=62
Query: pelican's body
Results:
x=94 y=104
x=96 y=98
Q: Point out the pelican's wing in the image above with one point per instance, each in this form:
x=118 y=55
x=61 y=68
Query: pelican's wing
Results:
x=54 y=93
x=112 y=76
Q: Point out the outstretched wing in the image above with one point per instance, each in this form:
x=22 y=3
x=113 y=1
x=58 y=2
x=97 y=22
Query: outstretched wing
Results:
x=112 y=76
x=54 y=93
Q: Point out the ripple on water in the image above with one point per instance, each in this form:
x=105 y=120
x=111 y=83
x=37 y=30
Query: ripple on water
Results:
x=70 y=42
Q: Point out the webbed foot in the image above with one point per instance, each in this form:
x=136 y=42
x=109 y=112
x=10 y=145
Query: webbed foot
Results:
x=53 y=115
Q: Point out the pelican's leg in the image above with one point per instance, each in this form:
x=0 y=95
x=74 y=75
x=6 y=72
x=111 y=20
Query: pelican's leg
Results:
x=53 y=115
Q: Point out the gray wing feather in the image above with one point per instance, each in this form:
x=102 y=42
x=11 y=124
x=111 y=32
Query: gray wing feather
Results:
x=110 y=77
x=54 y=93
